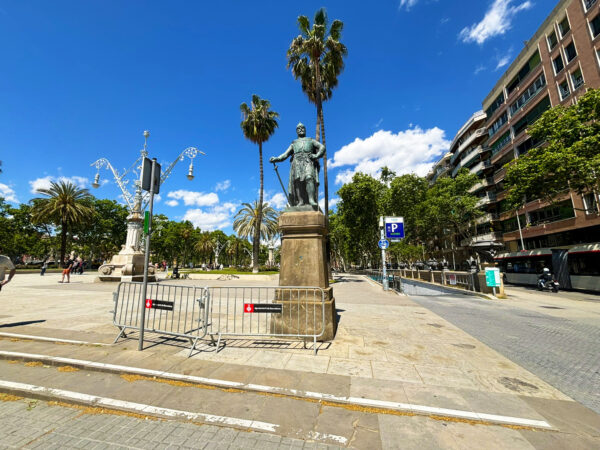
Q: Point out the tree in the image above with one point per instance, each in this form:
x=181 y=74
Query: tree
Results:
x=450 y=207
x=316 y=57
x=64 y=206
x=361 y=204
x=103 y=235
x=404 y=197
x=568 y=157
x=245 y=224
x=258 y=125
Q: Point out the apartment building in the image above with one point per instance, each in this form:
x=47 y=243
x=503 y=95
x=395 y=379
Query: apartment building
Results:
x=556 y=66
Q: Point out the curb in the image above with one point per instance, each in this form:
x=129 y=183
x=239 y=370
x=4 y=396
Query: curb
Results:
x=378 y=406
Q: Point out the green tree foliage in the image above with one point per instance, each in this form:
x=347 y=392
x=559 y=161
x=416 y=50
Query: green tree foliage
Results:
x=20 y=236
x=404 y=198
x=569 y=154
x=316 y=57
x=103 y=235
x=258 y=125
x=246 y=220
x=64 y=205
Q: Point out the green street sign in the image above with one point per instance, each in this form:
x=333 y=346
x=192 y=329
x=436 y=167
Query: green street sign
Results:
x=492 y=277
x=146 y=222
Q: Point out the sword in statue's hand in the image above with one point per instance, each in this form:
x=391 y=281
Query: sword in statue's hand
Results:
x=281 y=183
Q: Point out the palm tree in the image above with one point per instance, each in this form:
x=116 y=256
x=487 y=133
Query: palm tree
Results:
x=258 y=125
x=316 y=57
x=204 y=246
x=64 y=205
x=245 y=224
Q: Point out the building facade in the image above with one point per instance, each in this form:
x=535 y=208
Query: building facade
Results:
x=557 y=65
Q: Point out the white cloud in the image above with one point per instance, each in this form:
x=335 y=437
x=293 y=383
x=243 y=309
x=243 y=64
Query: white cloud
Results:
x=8 y=193
x=407 y=4
x=503 y=60
x=378 y=124
x=412 y=150
x=277 y=201
x=192 y=198
x=213 y=218
x=496 y=21
x=478 y=69
x=223 y=185
x=171 y=203
x=44 y=182
x=332 y=202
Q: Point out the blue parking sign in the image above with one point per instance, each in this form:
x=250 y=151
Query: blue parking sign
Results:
x=394 y=228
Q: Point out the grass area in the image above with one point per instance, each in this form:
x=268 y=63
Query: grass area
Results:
x=228 y=272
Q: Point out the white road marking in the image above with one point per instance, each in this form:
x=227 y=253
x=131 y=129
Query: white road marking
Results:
x=397 y=406
x=138 y=408
x=49 y=339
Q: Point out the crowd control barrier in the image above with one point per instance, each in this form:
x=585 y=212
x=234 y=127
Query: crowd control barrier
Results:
x=292 y=312
x=172 y=310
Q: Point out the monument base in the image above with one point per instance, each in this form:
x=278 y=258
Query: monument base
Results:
x=126 y=267
x=304 y=263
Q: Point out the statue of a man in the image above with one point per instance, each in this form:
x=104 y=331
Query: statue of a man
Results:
x=303 y=186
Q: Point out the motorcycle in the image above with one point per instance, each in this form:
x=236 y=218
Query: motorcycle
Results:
x=548 y=284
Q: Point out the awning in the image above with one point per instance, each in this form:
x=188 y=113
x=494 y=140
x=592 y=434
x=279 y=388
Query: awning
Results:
x=525 y=254
x=585 y=248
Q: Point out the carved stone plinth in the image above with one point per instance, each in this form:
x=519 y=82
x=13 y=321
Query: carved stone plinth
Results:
x=125 y=267
x=304 y=263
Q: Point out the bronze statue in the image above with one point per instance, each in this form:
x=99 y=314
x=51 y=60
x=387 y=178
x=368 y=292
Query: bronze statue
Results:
x=303 y=186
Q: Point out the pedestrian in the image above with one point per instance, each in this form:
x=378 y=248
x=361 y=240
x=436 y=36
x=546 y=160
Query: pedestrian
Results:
x=67 y=266
x=44 y=266
x=79 y=265
x=6 y=264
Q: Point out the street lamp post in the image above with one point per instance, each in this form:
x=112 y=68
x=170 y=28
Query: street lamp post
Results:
x=128 y=264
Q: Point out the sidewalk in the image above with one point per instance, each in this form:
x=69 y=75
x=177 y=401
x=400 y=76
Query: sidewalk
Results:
x=388 y=350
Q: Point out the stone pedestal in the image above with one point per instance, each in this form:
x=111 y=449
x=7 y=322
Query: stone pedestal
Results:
x=304 y=263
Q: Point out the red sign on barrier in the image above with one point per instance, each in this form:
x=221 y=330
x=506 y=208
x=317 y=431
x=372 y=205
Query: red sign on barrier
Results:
x=248 y=308
x=148 y=303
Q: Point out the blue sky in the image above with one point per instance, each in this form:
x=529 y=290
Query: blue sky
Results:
x=82 y=80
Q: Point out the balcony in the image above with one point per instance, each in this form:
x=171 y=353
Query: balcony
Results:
x=488 y=217
x=480 y=166
x=468 y=141
x=491 y=236
x=499 y=175
x=588 y=4
x=468 y=159
x=489 y=181
x=489 y=197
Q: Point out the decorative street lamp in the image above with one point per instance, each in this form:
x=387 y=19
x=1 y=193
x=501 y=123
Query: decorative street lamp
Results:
x=128 y=263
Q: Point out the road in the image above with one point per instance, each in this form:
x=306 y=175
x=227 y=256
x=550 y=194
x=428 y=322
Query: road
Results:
x=554 y=336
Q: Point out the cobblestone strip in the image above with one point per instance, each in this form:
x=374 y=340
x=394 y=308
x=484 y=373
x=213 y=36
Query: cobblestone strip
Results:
x=26 y=423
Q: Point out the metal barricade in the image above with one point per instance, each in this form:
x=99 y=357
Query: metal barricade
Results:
x=173 y=310
x=295 y=312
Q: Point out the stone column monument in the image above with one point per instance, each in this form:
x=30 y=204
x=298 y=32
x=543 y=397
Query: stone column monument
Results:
x=303 y=237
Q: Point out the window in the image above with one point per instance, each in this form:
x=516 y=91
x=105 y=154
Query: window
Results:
x=590 y=204
x=494 y=106
x=533 y=89
x=500 y=143
x=552 y=41
x=588 y=4
x=563 y=210
x=498 y=123
x=570 y=52
x=531 y=116
x=584 y=264
x=564 y=90
x=531 y=64
x=577 y=78
x=595 y=26
x=564 y=27
x=525 y=146
x=558 y=64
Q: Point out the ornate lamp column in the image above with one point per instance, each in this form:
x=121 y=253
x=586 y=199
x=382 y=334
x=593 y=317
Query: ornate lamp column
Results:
x=128 y=264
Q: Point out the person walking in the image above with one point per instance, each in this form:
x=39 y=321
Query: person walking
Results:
x=44 y=267
x=6 y=264
x=68 y=265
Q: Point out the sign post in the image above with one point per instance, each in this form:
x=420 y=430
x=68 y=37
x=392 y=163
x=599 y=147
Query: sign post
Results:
x=492 y=278
x=383 y=244
x=150 y=182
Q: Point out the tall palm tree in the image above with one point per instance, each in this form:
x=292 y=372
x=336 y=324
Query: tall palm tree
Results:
x=65 y=206
x=316 y=57
x=258 y=125
x=204 y=246
x=246 y=220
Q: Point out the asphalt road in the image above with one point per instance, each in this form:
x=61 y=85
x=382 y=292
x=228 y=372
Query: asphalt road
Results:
x=556 y=338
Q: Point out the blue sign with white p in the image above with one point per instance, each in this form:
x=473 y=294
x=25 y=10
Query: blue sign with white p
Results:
x=394 y=228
